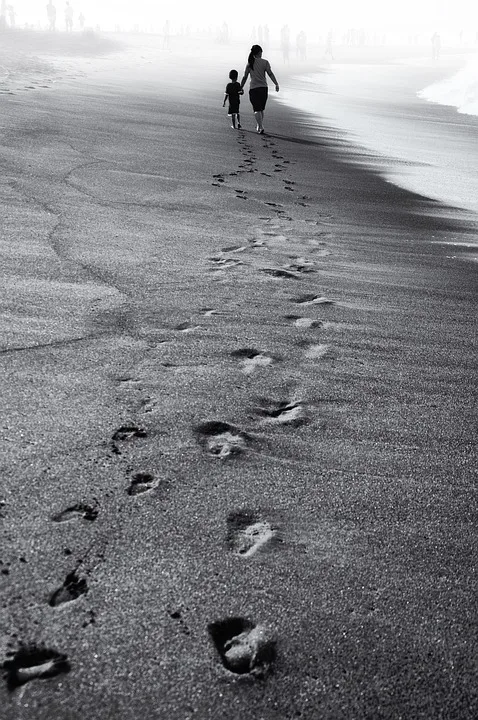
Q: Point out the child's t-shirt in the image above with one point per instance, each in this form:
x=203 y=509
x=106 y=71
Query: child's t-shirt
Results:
x=232 y=90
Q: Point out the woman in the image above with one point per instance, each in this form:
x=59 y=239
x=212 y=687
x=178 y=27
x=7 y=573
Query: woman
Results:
x=257 y=68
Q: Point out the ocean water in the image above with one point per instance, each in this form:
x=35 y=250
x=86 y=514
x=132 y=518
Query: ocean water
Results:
x=460 y=90
x=418 y=128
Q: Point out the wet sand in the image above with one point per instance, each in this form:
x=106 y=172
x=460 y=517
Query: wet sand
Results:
x=238 y=417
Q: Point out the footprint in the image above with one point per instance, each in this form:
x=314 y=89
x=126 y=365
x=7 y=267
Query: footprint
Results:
x=220 y=439
x=301 y=265
x=273 y=204
x=315 y=352
x=257 y=242
x=266 y=174
x=177 y=615
x=304 y=322
x=278 y=273
x=285 y=413
x=124 y=434
x=234 y=248
x=186 y=327
x=31 y=662
x=312 y=300
x=209 y=312
x=244 y=648
x=225 y=263
x=86 y=512
x=246 y=533
x=141 y=483
x=73 y=587
x=252 y=359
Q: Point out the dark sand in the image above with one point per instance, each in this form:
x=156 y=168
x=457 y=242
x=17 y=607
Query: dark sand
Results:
x=144 y=245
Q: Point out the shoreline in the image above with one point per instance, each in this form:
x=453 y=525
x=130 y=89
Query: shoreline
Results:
x=176 y=274
x=378 y=125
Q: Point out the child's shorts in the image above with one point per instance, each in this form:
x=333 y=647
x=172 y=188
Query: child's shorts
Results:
x=233 y=109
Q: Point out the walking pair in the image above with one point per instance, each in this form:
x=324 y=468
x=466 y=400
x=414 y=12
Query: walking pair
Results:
x=257 y=68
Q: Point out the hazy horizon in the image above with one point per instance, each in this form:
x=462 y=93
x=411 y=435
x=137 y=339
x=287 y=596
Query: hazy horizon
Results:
x=424 y=15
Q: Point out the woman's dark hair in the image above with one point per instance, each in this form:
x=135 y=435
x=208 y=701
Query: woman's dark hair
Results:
x=255 y=50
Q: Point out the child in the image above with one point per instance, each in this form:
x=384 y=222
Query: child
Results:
x=233 y=90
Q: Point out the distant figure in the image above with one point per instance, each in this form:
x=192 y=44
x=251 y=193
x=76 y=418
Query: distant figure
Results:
x=266 y=35
x=3 y=11
x=301 y=46
x=81 y=21
x=224 y=35
x=68 y=17
x=166 y=35
x=436 y=46
x=260 y=37
x=233 y=90
x=285 y=42
x=328 y=52
x=257 y=67
x=11 y=15
x=51 y=14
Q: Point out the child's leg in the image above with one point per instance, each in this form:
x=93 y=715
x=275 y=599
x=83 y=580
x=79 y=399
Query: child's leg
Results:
x=238 y=120
x=233 y=120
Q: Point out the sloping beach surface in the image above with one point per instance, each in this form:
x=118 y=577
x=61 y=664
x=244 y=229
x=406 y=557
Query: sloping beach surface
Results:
x=237 y=411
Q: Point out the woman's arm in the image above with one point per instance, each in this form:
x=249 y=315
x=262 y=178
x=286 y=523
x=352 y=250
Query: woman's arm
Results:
x=272 y=77
x=246 y=73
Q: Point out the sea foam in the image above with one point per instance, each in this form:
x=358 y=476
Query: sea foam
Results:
x=460 y=90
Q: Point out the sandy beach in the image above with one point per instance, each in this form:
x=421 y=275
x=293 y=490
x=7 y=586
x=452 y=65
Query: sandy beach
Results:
x=238 y=413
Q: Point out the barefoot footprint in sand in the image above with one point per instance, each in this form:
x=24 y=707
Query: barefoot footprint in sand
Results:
x=244 y=648
x=32 y=662
x=252 y=359
x=220 y=439
x=247 y=533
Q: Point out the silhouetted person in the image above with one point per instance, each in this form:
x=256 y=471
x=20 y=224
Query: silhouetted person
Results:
x=301 y=46
x=260 y=37
x=224 y=33
x=233 y=90
x=3 y=15
x=68 y=17
x=266 y=36
x=81 y=20
x=11 y=15
x=166 y=35
x=257 y=67
x=328 y=52
x=436 y=46
x=51 y=15
x=285 y=42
